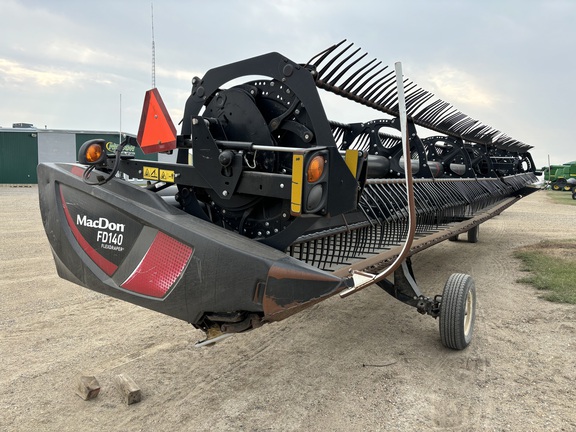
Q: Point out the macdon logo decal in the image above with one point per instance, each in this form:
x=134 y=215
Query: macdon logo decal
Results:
x=108 y=234
x=101 y=223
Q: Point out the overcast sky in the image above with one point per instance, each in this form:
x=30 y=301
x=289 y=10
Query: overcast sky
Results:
x=508 y=63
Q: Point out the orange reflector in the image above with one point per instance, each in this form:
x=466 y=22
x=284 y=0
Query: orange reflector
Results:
x=315 y=168
x=156 y=132
x=93 y=153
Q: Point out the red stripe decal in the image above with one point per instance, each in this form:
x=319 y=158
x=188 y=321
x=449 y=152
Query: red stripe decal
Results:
x=160 y=268
x=108 y=267
x=77 y=171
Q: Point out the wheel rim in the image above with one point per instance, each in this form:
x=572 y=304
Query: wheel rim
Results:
x=468 y=313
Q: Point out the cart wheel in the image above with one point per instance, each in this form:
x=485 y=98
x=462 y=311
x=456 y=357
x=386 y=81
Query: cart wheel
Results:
x=473 y=234
x=453 y=238
x=458 y=311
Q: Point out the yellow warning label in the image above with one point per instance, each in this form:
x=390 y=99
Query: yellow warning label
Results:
x=297 y=180
x=167 y=176
x=351 y=159
x=150 y=173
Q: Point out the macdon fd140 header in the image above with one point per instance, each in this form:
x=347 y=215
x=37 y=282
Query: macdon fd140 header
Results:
x=270 y=207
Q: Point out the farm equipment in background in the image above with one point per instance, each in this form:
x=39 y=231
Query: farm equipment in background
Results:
x=276 y=208
x=561 y=177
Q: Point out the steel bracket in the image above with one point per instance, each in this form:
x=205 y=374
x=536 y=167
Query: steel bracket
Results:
x=405 y=289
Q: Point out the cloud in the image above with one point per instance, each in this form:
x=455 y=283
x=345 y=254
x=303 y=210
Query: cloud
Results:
x=64 y=50
x=459 y=88
x=16 y=74
x=177 y=75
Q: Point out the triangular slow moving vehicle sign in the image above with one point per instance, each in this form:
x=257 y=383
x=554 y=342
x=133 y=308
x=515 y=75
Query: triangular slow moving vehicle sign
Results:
x=156 y=132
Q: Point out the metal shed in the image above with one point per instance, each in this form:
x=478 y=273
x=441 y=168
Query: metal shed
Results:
x=23 y=148
x=18 y=155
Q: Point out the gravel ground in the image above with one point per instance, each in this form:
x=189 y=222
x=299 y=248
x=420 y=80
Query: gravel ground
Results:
x=366 y=362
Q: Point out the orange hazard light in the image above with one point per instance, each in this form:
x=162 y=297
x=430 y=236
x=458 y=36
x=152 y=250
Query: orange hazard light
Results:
x=315 y=168
x=156 y=132
x=94 y=153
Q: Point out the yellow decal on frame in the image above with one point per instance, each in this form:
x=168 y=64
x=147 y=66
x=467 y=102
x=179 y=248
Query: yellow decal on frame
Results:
x=297 y=179
x=167 y=176
x=150 y=173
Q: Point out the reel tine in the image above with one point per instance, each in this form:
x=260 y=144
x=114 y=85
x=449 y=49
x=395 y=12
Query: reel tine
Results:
x=377 y=85
x=334 y=250
x=370 y=88
x=415 y=100
x=344 y=70
x=376 y=205
x=340 y=65
x=452 y=120
x=327 y=66
x=385 y=89
x=322 y=55
x=354 y=87
x=407 y=90
x=391 y=102
x=431 y=110
x=448 y=111
x=467 y=126
x=427 y=204
x=356 y=91
x=390 y=92
x=358 y=71
x=347 y=249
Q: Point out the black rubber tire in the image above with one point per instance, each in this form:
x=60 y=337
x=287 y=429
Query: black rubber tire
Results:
x=574 y=195
x=559 y=184
x=555 y=186
x=453 y=238
x=458 y=311
x=473 y=234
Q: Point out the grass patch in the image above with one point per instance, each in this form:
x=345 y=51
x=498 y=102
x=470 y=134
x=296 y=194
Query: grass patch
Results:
x=561 y=197
x=552 y=269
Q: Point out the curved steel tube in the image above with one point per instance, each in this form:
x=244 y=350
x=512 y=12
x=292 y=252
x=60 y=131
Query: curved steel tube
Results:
x=366 y=279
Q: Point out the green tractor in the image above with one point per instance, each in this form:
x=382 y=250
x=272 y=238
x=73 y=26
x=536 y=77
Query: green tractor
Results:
x=561 y=177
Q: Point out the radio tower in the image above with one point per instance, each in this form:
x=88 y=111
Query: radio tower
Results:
x=153 y=49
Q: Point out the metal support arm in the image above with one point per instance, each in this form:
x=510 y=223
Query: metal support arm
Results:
x=405 y=289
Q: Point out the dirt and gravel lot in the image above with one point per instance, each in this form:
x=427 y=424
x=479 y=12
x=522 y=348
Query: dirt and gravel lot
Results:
x=366 y=362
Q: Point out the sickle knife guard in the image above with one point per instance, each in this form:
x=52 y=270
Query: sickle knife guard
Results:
x=270 y=207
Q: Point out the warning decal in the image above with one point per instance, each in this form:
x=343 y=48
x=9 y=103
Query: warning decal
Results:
x=154 y=173
x=167 y=176
x=150 y=173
